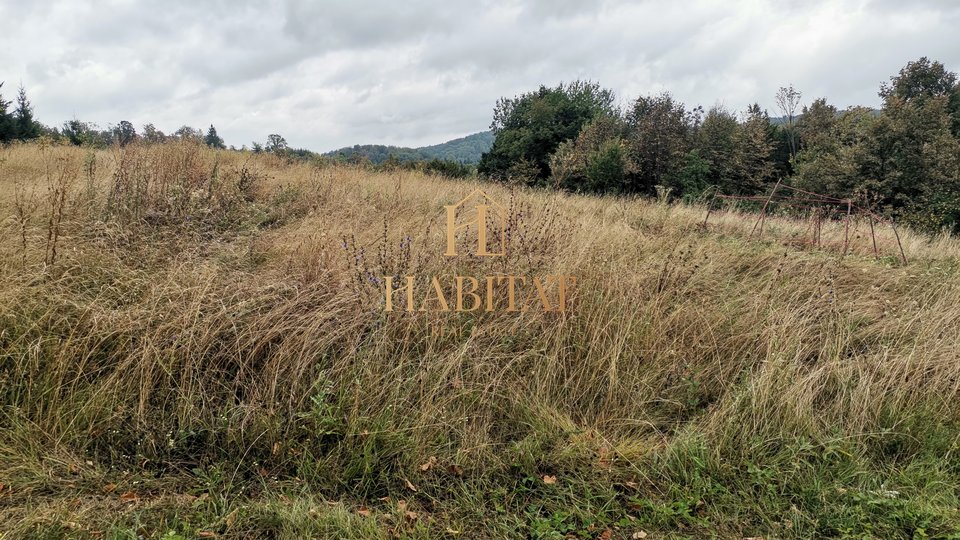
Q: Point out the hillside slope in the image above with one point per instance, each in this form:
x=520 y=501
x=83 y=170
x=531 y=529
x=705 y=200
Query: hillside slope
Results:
x=195 y=343
x=463 y=150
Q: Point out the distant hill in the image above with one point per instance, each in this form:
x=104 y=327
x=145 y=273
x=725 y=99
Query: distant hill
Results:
x=463 y=150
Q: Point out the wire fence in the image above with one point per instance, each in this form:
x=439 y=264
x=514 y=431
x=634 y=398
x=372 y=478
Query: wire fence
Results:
x=813 y=208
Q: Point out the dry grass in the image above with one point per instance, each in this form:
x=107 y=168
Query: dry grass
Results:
x=202 y=330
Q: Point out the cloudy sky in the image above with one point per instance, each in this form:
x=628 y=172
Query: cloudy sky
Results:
x=414 y=72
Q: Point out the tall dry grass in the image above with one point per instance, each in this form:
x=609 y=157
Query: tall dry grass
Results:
x=170 y=309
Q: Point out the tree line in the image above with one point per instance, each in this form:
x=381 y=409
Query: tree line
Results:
x=903 y=158
x=18 y=124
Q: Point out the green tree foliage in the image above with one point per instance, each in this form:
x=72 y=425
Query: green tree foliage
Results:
x=187 y=133
x=213 y=140
x=530 y=127
x=26 y=127
x=465 y=150
x=152 y=135
x=596 y=161
x=659 y=135
x=838 y=151
x=86 y=134
x=8 y=129
x=755 y=146
x=905 y=157
x=276 y=144
x=717 y=147
x=124 y=133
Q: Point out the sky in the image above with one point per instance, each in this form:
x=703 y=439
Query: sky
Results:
x=328 y=74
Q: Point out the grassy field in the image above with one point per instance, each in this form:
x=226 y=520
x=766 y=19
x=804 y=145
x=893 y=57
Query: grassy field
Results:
x=192 y=344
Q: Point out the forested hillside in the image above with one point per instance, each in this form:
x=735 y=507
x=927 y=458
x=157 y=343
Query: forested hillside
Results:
x=465 y=150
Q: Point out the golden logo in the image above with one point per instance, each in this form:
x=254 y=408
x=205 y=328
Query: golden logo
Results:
x=488 y=212
x=499 y=292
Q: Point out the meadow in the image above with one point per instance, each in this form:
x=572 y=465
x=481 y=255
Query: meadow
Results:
x=193 y=344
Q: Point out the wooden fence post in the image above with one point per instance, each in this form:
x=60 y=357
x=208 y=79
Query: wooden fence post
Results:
x=899 y=245
x=710 y=207
x=763 y=211
x=846 y=230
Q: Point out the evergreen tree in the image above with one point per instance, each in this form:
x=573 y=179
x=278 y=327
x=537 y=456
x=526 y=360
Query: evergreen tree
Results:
x=26 y=127
x=8 y=129
x=212 y=139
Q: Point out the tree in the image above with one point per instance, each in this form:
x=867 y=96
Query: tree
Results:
x=922 y=80
x=659 y=130
x=529 y=128
x=788 y=101
x=85 y=134
x=212 y=139
x=153 y=135
x=276 y=144
x=124 y=133
x=187 y=133
x=839 y=155
x=8 y=130
x=816 y=125
x=717 y=145
x=26 y=127
x=754 y=163
x=596 y=161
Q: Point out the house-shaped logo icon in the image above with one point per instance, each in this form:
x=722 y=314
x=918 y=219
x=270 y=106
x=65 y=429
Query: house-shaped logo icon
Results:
x=489 y=217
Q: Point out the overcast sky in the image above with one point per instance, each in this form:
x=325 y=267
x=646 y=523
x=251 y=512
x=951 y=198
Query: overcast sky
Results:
x=415 y=72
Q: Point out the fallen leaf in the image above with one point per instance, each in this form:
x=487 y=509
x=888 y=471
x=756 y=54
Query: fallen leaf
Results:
x=455 y=470
x=207 y=534
x=402 y=505
x=232 y=518
x=89 y=463
x=452 y=531
x=129 y=496
x=429 y=464
x=549 y=480
x=109 y=488
x=410 y=486
x=411 y=516
x=639 y=534
x=363 y=511
x=607 y=534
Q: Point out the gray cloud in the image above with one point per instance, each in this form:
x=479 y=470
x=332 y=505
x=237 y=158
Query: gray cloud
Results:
x=329 y=74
